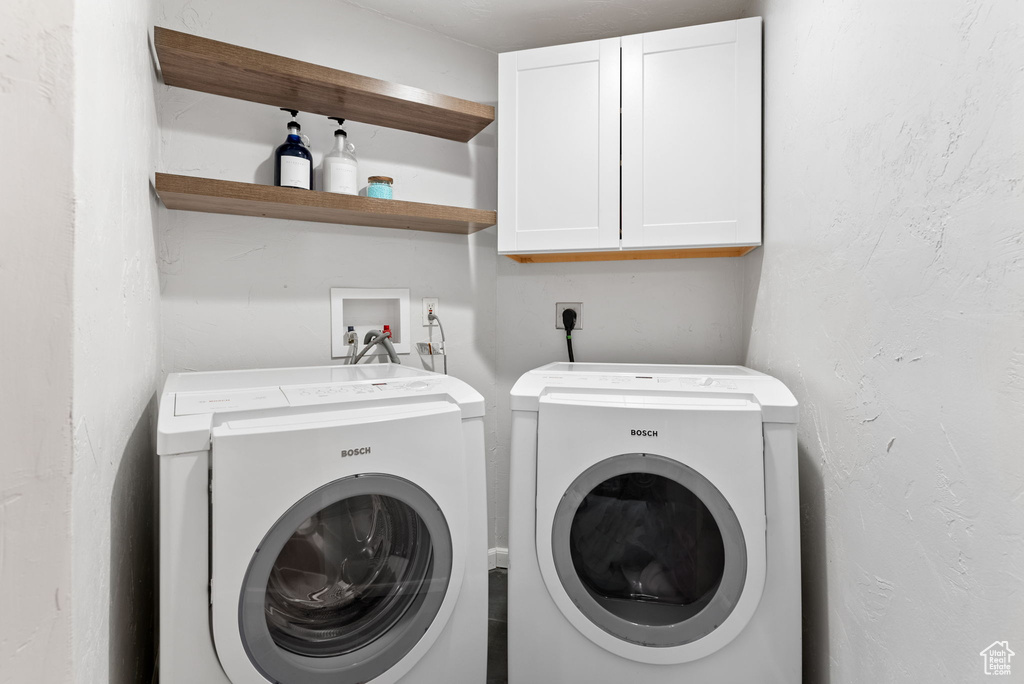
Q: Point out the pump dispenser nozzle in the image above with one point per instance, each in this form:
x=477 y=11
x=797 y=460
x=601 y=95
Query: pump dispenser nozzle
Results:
x=295 y=124
x=341 y=122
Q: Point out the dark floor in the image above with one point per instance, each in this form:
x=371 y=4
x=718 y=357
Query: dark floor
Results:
x=497 y=628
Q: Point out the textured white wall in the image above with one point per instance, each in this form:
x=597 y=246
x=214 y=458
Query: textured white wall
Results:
x=36 y=238
x=502 y=26
x=658 y=311
x=248 y=292
x=889 y=297
x=116 y=358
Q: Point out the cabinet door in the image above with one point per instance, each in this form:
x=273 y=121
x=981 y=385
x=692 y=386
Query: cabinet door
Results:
x=558 y=148
x=691 y=136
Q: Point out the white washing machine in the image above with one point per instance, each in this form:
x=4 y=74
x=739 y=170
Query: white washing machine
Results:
x=322 y=525
x=653 y=526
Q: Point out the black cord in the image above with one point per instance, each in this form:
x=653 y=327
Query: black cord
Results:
x=569 y=321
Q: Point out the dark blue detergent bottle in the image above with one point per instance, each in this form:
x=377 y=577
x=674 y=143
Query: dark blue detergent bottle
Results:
x=293 y=162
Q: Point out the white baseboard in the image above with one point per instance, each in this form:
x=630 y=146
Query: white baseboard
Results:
x=497 y=558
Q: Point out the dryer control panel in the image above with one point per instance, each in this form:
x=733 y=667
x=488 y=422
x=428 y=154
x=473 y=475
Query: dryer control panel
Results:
x=777 y=403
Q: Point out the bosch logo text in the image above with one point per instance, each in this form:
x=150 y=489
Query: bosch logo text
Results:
x=643 y=433
x=355 y=452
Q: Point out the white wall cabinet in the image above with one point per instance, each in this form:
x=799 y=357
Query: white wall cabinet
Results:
x=558 y=144
x=676 y=172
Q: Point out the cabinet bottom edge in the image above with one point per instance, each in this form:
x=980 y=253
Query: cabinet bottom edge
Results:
x=623 y=255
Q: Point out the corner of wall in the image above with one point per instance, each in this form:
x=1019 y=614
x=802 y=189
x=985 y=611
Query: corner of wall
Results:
x=116 y=343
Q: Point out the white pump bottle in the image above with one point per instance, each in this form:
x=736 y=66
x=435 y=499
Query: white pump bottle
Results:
x=340 y=167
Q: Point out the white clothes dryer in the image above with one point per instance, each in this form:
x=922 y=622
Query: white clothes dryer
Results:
x=653 y=526
x=322 y=525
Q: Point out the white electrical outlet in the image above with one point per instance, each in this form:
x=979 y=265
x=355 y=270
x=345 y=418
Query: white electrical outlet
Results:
x=429 y=306
x=562 y=306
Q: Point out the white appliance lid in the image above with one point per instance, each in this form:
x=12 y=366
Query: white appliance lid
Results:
x=628 y=382
x=192 y=404
x=643 y=369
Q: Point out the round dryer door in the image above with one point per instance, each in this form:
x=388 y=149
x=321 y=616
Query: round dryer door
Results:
x=346 y=582
x=649 y=550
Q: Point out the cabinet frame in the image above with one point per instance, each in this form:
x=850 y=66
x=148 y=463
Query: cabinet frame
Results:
x=736 y=232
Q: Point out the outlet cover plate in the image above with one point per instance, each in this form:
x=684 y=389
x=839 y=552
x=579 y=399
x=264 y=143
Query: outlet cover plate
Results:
x=562 y=306
x=429 y=304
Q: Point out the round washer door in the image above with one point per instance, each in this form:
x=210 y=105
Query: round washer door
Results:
x=346 y=582
x=649 y=550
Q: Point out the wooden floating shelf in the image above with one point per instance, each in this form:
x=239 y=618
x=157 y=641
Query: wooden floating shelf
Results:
x=211 y=66
x=190 y=193
x=622 y=255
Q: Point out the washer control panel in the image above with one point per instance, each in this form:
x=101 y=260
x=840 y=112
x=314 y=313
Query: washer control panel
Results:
x=194 y=403
x=330 y=393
